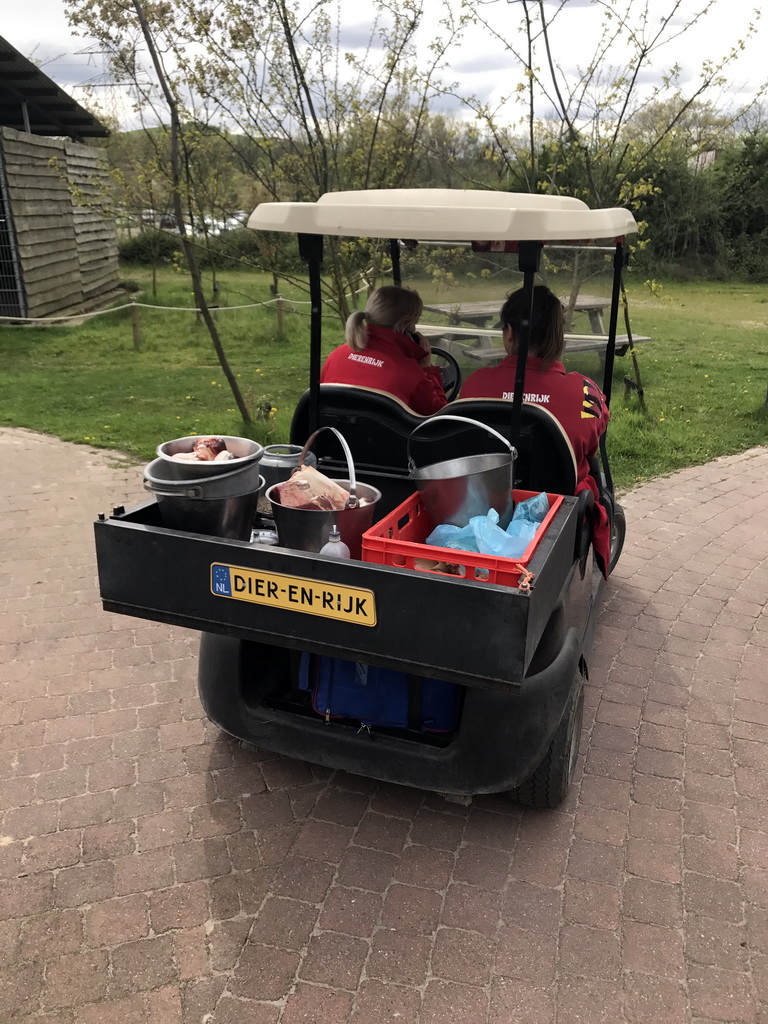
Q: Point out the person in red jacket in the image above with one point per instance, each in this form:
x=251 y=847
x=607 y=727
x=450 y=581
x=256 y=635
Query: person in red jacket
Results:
x=575 y=400
x=383 y=351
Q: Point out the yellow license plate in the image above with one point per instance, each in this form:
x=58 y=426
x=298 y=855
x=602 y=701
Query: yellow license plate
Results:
x=294 y=593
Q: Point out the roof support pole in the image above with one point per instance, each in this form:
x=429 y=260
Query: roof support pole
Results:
x=610 y=351
x=528 y=261
x=394 y=252
x=311 y=250
x=25 y=117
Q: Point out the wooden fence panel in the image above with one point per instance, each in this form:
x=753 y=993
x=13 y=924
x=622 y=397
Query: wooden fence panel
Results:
x=58 y=193
x=41 y=206
x=94 y=231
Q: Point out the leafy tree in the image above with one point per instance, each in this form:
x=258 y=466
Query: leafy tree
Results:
x=140 y=190
x=742 y=179
x=300 y=116
x=597 y=134
x=131 y=16
x=584 y=118
x=681 y=207
x=270 y=106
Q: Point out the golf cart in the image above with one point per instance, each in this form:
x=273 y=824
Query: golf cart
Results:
x=511 y=641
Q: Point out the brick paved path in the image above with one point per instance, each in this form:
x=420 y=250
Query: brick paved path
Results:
x=152 y=870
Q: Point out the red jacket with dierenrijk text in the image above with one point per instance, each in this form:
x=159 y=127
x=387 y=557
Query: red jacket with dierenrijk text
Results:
x=575 y=400
x=389 y=362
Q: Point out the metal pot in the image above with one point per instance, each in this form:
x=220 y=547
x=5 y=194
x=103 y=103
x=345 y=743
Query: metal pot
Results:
x=280 y=460
x=221 y=505
x=307 y=529
x=455 y=490
x=243 y=448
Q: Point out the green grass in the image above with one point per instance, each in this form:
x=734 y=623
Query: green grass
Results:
x=705 y=375
x=705 y=371
x=88 y=383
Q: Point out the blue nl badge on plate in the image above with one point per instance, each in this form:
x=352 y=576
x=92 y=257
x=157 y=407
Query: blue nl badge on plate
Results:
x=220 y=580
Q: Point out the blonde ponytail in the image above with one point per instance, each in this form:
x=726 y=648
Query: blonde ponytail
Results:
x=355 y=332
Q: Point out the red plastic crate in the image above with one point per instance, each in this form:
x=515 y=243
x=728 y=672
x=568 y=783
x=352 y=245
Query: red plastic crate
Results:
x=398 y=539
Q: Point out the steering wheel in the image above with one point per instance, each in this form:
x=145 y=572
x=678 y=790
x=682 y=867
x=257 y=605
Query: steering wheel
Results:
x=450 y=371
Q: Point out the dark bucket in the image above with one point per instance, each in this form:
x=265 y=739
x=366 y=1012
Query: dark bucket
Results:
x=456 y=490
x=220 y=505
x=307 y=529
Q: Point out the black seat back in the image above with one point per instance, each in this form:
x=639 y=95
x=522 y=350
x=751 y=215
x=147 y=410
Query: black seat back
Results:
x=374 y=424
x=377 y=426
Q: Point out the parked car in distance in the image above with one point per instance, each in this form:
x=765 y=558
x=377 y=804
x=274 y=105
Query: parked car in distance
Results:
x=237 y=220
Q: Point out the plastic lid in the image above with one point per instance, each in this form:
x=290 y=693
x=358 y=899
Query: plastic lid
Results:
x=334 y=533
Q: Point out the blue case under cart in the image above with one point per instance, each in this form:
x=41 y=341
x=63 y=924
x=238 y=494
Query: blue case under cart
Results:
x=378 y=696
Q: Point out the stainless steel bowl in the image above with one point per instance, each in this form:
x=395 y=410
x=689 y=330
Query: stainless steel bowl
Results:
x=242 y=448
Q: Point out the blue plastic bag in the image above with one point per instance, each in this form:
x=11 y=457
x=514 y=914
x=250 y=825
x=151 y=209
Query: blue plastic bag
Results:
x=481 y=535
x=526 y=519
x=491 y=539
x=484 y=536
x=532 y=510
x=459 y=538
x=442 y=534
x=520 y=533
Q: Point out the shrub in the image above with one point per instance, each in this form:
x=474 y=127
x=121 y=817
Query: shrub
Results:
x=228 y=249
x=150 y=247
x=748 y=256
x=129 y=285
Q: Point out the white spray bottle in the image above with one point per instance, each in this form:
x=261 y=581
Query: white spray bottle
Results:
x=335 y=546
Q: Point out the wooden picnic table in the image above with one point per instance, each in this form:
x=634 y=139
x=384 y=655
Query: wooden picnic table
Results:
x=593 y=306
x=480 y=313
x=481 y=340
x=484 y=312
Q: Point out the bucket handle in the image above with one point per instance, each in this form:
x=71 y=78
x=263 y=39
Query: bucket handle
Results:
x=352 y=501
x=189 y=492
x=458 y=419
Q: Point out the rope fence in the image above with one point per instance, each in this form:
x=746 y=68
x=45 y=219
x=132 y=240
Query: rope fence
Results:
x=133 y=305
x=46 y=321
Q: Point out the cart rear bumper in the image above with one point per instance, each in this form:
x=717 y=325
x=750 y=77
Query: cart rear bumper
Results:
x=501 y=739
x=482 y=636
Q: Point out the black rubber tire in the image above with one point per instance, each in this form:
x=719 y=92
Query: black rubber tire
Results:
x=618 y=533
x=548 y=786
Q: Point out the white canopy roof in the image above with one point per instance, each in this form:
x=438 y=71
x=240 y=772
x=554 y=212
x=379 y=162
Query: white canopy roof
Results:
x=445 y=214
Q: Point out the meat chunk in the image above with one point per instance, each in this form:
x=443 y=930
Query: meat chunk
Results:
x=207 y=448
x=308 y=488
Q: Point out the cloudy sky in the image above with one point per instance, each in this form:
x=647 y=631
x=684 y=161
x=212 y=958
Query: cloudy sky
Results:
x=39 y=29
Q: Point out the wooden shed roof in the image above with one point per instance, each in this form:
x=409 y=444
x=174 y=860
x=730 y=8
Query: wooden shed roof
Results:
x=49 y=110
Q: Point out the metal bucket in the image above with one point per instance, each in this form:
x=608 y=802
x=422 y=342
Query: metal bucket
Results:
x=243 y=449
x=280 y=460
x=220 y=505
x=455 y=490
x=307 y=529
